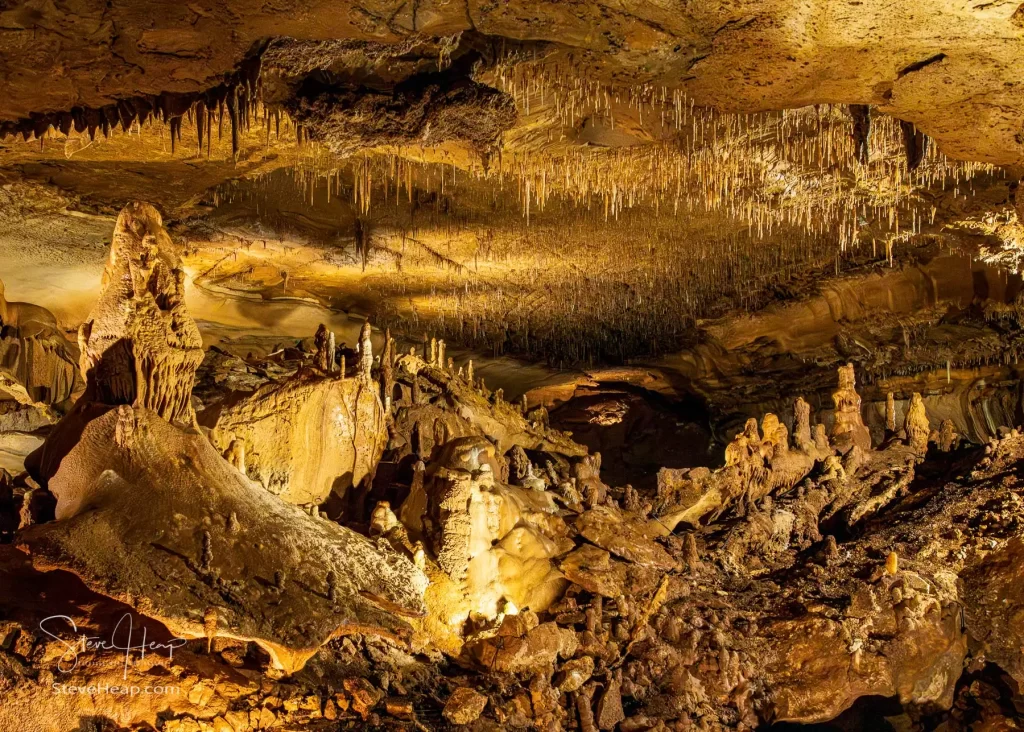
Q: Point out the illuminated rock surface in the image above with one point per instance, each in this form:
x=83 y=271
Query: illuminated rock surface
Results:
x=213 y=554
x=565 y=366
x=282 y=424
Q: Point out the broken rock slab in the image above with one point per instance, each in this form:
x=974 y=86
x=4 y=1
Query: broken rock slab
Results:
x=596 y=571
x=517 y=648
x=623 y=535
x=150 y=514
x=464 y=706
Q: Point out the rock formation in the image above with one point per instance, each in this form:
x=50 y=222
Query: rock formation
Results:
x=139 y=346
x=38 y=365
x=213 y=554
x=281 y=424
x=916 y=423
x=704 y=209
x=263 y=571
x=848 y=429
x=494 y=541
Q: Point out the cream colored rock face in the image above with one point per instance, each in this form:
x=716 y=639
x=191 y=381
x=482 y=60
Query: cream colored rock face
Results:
x=308 y=436
x=494 y=541
x=136 y=486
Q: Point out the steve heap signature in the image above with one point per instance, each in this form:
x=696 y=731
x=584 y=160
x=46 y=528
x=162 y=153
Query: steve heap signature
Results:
x=122 y=638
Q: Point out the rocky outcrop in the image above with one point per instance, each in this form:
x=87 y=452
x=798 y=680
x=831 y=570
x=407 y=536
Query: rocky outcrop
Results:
x=213 y=554
x=282 y=424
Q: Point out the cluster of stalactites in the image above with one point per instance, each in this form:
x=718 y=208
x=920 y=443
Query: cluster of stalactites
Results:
x=238 y=96
x=915 y=142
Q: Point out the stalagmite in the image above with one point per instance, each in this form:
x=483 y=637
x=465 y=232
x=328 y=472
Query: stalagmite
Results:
x=235 y=455
x=848 y=429
x=892 y=563
x=916 y=424
x=946 y=438
x=321 y=342
x=690 y=553
x=365 y=354
x=890 y=413
x=494 y=541
x=802 y=425
x=140 y=347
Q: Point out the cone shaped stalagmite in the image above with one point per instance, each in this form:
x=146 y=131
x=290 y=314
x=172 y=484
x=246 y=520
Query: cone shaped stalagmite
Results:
x=848 y=429
x=139 y=345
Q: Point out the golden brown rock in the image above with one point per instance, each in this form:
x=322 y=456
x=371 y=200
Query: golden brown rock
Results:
x=464 y=706
x=140 y=346
x=135 y=483
x=849 y=428
x=494 y=541
x=280 y=425
x=916 y=423
x=38 y=365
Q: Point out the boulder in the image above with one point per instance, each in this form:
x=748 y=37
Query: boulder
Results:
x=282 y=424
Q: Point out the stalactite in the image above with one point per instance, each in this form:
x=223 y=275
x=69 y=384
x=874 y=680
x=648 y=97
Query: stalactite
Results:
x=861 y=114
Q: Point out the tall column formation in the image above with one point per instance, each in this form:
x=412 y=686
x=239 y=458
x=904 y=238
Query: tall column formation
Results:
x=365 y=353
x=849 y=428
x=322 y=342
x=916 y=423
x=802 y=425
x=139 y=345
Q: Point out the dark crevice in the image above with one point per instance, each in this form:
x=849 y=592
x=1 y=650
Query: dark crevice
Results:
x=918 y=65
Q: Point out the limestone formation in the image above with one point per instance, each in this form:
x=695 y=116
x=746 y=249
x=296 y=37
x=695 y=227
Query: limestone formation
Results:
x=139 y=345
x=946 y=438
x=103 y=512
x=641 y=230
x=281 y=424
x=38 y=365
x=213 y=554
x=494 y=541
x=848 y=429
x=916 y=423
